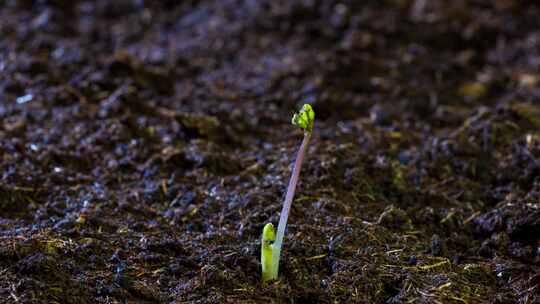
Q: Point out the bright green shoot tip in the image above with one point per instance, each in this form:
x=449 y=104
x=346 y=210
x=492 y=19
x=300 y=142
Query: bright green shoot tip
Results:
x=272 y=240
x=304 y=119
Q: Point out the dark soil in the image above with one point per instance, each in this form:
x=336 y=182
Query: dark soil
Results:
x=144 y=145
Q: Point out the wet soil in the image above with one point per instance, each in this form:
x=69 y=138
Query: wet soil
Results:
x=144 y=145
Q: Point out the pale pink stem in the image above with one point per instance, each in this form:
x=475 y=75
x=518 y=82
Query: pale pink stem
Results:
x=288 y=200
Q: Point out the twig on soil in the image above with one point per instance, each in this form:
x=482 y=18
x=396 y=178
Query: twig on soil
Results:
x=12 y=293
x=320 y=256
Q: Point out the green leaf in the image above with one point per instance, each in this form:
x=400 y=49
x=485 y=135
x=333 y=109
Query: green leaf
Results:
x=305 y=118
x=268 y=237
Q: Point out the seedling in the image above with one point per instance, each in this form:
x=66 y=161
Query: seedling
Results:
x=268 y=238
x=271 y=242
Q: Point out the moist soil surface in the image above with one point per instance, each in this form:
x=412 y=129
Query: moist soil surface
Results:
x=145 y=144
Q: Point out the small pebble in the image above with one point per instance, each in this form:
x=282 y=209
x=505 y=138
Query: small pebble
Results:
x=25 y=98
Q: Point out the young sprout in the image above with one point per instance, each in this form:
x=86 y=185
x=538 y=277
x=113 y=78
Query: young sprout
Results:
x=271 y=242
x=268 y=238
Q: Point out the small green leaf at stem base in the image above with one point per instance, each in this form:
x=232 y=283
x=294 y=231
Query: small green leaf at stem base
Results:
x=268 y=238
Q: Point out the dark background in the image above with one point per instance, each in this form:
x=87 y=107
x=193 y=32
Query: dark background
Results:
x=144 y=145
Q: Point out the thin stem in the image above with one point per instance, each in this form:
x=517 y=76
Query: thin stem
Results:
x=288 y=201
